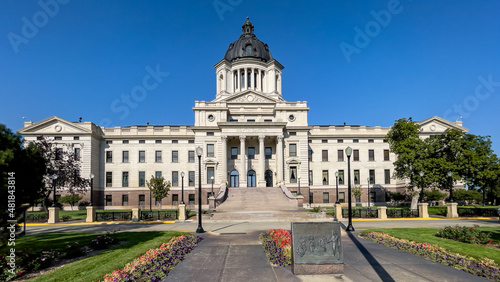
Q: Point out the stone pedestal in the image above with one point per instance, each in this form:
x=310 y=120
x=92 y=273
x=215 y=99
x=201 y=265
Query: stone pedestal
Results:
x=423 y=211
x=451 y=210
x=182 y=212
x=338 y=211
x=382 y=212
x=90 y=214
x=53 y=215
x=135 y=214
x=300 y=201
x=211 y=203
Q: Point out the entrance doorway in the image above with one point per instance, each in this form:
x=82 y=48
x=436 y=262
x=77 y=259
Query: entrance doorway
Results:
x=269 y=178
x=234 y=179
x=251 y=178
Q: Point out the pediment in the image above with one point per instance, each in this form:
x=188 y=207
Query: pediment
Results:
x=250 y=97
x=54 y=125
x=437 y=124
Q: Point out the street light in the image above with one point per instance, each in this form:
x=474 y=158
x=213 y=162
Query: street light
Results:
x=91 y=188
x=199 y=152
x=451 y=186
x=337 y=185
x=348 y=152
x=298 y=179
x=182 y=187
x=369 y=196
x=54 y=177
x=422 y=186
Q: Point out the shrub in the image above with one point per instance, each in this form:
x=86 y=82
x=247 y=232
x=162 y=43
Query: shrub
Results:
x=467 y=195
x=396 y=196
x=66 y=218
x=315 y=209
x=434 y=195
x=470 y=235
x=102 y=242
x=73 y=251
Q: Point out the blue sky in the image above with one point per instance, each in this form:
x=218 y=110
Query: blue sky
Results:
x=359 y=62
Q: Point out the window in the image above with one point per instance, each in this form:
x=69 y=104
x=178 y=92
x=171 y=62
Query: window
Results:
x=250 y=120
x=109 y=179
x=191 y=156
x=76 y=137
x=385 y=140
x=39 y=138
x=175 y=156
x=190 y=141
x=371 y=155
x=326 y=197
x=370 y=141
x=355 y=155
x=340 y=140
x=191 y=178
x=372 y=176
x=158 y=156
x=356 y=176
x=341 y=177
x=142 y=178
x=125 y=179
x=210 y=150
x=324 y=155
x=158 y=174
x=175 y=199
x=310 y=155
x=355 y=140
x=248 y=50
x=292 y=150
x=109 y=156
x=124 y=141
x=77 y=154
x=293 y=133
x=340 y=155
x=142 y=156
x=142 y=200
x=324 y=141
x=311 y=197
x=341 y=197
x=234 y=153
x=325 y=177
x=109 y=200
x=268 y=120
x=268 y=152
x=175 y=179
x=174 y=141
x=124 y=200
x=125 y=156
x=59 y=154
x=251 y=153
x=157 y=141
x=386 y=155
x=191 y=199
x=142 y=141
x=60 y=138
x=107 y=141
x=293 y=174
x=387 y=176
x=210 y=174
x=210 y=133
x=311 y=177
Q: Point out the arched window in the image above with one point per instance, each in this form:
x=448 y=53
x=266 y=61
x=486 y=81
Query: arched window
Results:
x=251 y=178
x=234 y=181
x=248 y=50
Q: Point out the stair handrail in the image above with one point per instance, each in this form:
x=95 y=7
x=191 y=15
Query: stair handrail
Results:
x=222 y=194
x=287 y=192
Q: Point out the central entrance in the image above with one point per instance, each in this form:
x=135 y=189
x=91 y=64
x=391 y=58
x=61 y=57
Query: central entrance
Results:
x=234 y=179
x=251 y=178
x=269 y=178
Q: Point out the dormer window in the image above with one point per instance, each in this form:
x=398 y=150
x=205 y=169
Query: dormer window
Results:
x=248 y=50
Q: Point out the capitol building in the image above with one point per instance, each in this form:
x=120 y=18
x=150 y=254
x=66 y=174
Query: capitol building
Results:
x=250 y=134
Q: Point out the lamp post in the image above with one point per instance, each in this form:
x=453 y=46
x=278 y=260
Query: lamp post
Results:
x=298 y=179
x=451 y=186
x=199 y=152
x=337 y=186
x=369 y=195
x=212 y=179
x=91 y=188
x=182 y=187
x=54 y=177
x=422 y=186
x=348 y=152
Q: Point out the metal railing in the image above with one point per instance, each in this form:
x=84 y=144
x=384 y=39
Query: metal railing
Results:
x=158 y=215
x=401 y=213
x=360 y=213
x=471 y=212
x=37 y=217
x=113 y=216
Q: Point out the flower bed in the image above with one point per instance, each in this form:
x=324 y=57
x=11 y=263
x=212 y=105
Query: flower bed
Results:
x=484 y=267
x=156 y=263
x=277 y=244
x=471 y=235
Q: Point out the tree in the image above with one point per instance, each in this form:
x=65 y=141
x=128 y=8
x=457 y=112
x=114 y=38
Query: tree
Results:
x=357 y=192
x=159 y=187
x=60 y=159
x=71 y=199
x=434 y=195
x=21 y=172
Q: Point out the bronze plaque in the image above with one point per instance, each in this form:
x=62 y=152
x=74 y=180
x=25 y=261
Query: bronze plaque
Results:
x=316 y=243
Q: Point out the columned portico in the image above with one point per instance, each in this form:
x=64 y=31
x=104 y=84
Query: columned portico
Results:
x=279 y=158
x=262 y=158
x=243 y=171
x=224 y=159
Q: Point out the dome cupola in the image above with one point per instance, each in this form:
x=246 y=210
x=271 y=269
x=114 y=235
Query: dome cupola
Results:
x=248 y=46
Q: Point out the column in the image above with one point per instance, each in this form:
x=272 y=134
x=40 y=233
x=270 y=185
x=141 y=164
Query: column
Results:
x=262 y=162
x=279 y=157
x=243 y=171
x=224 y=159
x=252 y=76
x=245 y=79
x=238 y=80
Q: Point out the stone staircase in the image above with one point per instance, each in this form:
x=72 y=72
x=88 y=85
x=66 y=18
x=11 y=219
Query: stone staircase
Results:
x=256 y=199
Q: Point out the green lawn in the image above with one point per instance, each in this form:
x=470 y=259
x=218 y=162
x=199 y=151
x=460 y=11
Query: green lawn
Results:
x=427 y=235
x=93 y=268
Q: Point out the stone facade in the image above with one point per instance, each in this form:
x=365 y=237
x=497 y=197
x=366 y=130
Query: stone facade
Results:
x=250 y=136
